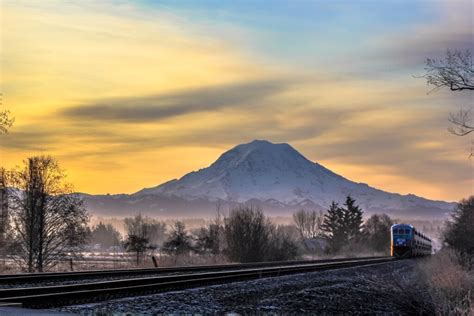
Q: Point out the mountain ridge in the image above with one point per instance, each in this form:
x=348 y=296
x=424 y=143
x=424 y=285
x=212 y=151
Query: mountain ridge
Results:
x=275 y=176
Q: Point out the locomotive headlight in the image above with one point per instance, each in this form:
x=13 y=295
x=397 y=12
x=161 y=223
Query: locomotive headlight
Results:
x=400 y=241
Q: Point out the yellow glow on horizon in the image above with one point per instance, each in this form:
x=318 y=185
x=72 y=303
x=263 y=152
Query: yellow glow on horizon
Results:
x=56 y=57
x=53 y=60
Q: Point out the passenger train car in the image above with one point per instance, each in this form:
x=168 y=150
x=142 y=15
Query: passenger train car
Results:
x=406 y=241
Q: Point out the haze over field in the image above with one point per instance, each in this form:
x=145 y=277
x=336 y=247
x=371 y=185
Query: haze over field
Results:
x=128 y=95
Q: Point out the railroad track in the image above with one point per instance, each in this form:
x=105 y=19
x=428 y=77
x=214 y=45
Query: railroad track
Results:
x=31 y=278
x=60 y=295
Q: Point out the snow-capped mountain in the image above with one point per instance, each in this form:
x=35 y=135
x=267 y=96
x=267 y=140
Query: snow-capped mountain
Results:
x=274 y=176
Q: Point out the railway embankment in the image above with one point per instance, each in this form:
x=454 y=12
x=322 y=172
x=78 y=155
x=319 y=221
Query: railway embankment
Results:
x=41 y=296
x=385 y=288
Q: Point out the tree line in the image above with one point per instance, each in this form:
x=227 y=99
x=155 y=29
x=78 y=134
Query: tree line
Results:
x=247 y=235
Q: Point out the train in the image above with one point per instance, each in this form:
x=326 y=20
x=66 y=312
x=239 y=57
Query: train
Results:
x=407 y=241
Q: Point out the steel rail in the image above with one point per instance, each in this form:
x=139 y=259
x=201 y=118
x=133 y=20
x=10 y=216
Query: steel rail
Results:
x=12 y=279
x=60 y=295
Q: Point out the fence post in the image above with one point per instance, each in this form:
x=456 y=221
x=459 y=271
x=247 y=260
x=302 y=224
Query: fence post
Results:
x=155 y=262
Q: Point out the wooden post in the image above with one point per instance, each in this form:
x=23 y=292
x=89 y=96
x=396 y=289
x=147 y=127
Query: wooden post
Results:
x=155 y=262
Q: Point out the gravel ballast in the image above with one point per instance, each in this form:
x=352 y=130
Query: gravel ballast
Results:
x=380 y=288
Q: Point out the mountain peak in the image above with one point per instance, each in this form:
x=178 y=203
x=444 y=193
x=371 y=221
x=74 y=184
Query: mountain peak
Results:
x=260 y=153
x=266 y=171
x=257 y=169
x=262 y=144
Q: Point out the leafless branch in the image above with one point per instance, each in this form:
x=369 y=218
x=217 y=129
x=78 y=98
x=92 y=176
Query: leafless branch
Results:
x=455 y=71
x=462 y=122
x=48 y=221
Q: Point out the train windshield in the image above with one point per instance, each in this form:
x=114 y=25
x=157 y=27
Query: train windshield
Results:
x=401 y=231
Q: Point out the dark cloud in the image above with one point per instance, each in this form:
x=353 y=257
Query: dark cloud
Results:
x=257 y=124
x=31 y=138
x=159 y=107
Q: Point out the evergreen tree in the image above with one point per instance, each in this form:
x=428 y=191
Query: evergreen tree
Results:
x=352 y=219
x=333 y=226
x=342 y=225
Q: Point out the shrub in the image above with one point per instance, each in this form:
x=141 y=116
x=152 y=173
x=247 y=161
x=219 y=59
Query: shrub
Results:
x=282 y=246
x=450 y=285
x=105 y=235
x=376 y=233
x=247 y=233
x=179 y=241
x=251 y=237
x=460 y=231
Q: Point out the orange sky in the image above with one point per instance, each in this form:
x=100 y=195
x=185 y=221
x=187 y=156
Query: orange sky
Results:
x=128 y=96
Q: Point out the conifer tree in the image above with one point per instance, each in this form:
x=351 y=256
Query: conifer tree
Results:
x=342 y=224
x=352 y=219
x=333 y=226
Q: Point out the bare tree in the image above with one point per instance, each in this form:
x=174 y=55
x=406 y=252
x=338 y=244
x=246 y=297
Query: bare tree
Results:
x=460 y=229
x=308 y=223
x=6 y=121
x=3 y=207
x=282 y=245
x=462 y=122
x=248 y=234
x=210 y=239
x=251 y=237
x=47 y=220
x=377 y=232
x=157 y=232
x=138 y=236
x=179 y=241
x=456 y=72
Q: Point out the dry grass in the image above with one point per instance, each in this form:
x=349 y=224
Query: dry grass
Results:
x=10 y=267
x=450 y=285
x=191 y=260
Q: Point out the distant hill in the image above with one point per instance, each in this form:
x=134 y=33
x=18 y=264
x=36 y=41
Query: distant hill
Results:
x=274 y=176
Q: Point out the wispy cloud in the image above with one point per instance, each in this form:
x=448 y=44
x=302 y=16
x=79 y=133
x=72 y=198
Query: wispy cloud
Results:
x=451 y=28
x=163 y=106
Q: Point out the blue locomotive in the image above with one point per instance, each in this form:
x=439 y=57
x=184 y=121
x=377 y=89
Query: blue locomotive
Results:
x=407 y=241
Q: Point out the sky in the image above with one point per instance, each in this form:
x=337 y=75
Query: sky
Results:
x=130 y=94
